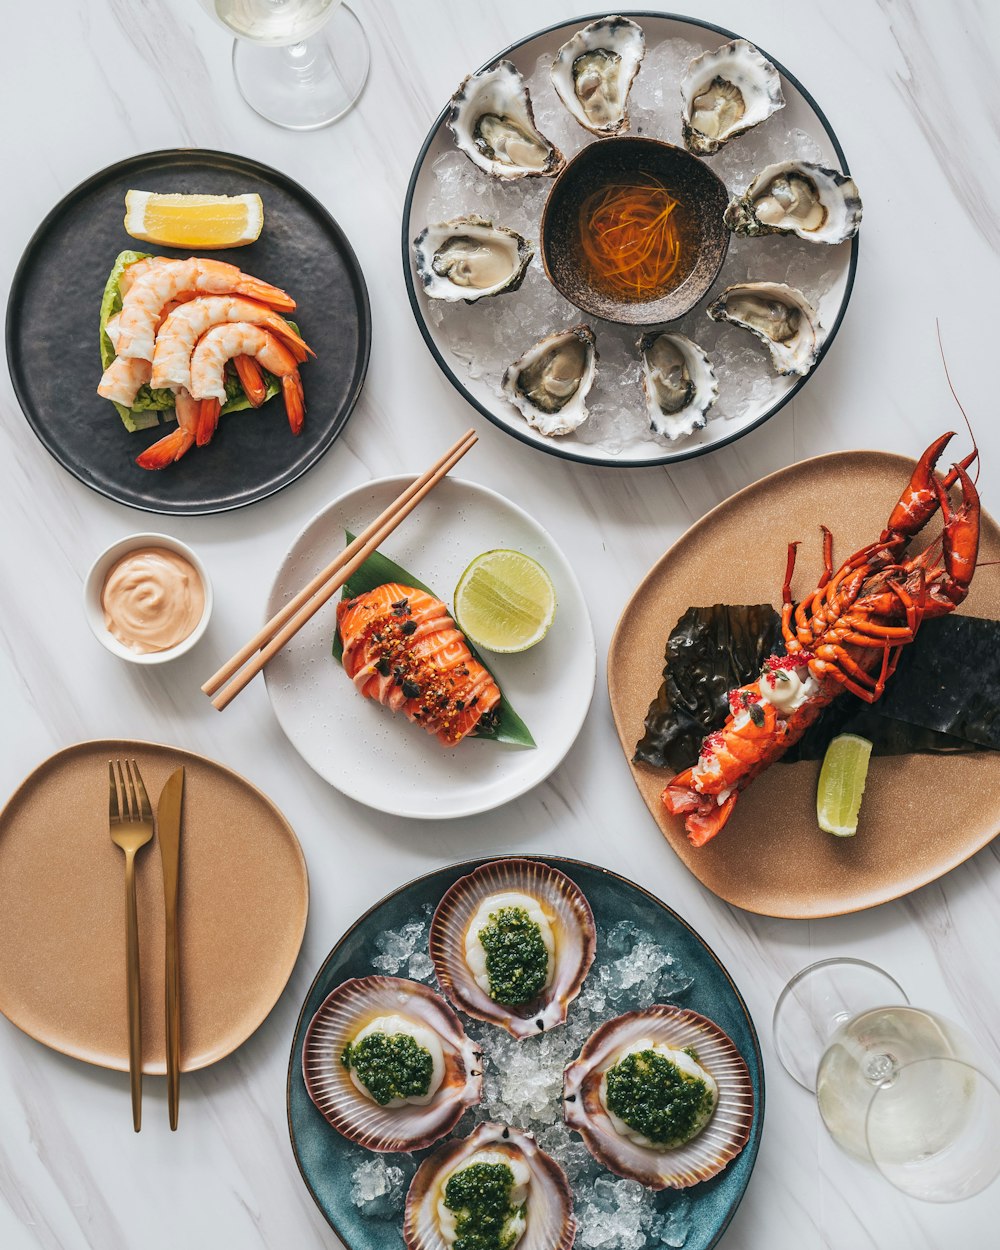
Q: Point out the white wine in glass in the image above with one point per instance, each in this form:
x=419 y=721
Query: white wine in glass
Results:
x=897 y=1086
x=301 y=64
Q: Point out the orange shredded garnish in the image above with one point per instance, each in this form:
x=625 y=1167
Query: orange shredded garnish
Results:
x=629 y=235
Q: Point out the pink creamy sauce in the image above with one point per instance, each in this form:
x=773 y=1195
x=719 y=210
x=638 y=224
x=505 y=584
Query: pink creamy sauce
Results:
x=152 y=599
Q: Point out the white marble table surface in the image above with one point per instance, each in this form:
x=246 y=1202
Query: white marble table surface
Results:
x=910 y=86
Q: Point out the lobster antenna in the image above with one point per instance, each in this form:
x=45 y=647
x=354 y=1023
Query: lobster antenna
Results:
x=954 y=395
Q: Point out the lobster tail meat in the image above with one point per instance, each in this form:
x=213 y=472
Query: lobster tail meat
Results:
x=402 y=649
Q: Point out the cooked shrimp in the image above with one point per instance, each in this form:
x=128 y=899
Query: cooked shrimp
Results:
x=178 y=335
x=143 y=304
x=121 y=380
x=238 y=338
x=175 y=444
x=137 y=269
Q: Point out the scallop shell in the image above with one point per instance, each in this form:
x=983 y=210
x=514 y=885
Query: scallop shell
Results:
x=343 y=1013
x=722 y=1139
x=615 y=36
x=573 y=927
x=500 y=91
x=550 y=1223
x=795 y=354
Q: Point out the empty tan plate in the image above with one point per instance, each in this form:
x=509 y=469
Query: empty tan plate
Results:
x=244 y=897
x=922 y=814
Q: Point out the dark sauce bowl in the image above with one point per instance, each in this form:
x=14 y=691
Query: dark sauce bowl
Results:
x=702 y=198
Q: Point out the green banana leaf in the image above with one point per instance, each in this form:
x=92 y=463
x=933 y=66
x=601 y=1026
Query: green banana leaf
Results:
x=378 y=569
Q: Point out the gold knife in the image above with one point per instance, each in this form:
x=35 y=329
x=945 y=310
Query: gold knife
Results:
x=168 y=829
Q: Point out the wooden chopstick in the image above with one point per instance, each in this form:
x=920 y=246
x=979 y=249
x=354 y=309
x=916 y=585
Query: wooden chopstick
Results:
x=269 y=640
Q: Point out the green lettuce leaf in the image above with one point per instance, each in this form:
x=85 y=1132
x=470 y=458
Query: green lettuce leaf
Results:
x=378 y=569
x=150 y=402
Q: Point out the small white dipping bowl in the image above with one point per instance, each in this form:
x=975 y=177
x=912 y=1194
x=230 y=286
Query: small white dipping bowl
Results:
x=94 y=584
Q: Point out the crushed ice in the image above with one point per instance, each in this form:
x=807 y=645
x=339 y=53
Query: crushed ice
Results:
x=522 y=1086
x=487 y=336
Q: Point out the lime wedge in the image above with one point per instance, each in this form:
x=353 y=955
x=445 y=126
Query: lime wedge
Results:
x=505 y=601
x=842 y=784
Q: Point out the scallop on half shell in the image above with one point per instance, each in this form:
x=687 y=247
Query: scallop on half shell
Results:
x=797 y=197
x=725 y=93
x=367 y=1006
x=512 y=943
x=469 y=258
x=780 y=316
x=540 y=1202
x=692 y=1049
x=593 y=73
x=679 y=383
x=493 y=123
x=549 y=384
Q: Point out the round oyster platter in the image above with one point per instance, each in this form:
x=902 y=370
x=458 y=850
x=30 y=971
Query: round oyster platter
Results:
x=642 y=953
x=489 y=341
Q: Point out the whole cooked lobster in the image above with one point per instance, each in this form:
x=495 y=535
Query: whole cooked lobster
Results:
x=846 y=635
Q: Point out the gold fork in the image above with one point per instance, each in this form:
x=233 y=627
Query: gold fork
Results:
x=131 y=819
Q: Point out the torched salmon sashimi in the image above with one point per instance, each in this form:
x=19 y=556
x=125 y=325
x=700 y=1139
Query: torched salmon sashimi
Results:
x=402 y=648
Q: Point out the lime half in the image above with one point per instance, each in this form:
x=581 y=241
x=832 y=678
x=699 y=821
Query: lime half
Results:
x=842 y=784
x=505 y=601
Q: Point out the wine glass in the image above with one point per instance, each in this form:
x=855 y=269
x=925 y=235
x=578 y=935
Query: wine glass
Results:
x=897 y=1086
x=301 y=64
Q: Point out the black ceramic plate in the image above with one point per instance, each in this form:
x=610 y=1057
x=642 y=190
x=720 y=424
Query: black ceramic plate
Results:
x=52 y=336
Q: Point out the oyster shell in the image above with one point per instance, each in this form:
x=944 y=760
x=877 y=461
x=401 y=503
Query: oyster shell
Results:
x=550 y=382
x=469 y=258
x=679 y=383
x=493 y=124
x=593 y=73
x=779 y=315
x=565 y=925
x=391 y=1006
x=725 y=93
x=545 y=1221
x=796 y=197
x=670 y=1031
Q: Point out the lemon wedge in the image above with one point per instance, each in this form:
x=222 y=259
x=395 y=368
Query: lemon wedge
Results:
x=505 y=601
x=196 y=221
x=842 y=784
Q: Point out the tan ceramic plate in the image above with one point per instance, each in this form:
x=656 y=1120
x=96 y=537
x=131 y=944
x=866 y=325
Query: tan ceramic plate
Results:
x=922 y=814
x=244 y=897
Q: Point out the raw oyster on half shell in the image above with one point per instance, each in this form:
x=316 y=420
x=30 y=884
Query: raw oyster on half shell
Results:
x=678 y=382
x=387 y=1011
x=593 y=73
x=469 y=258
x=796 y=197
x=512 y=943
x=539 y=1201
x=725 y=93
x=693 y=1079
x=494 y=125
x=550 y=382
x=780 y=316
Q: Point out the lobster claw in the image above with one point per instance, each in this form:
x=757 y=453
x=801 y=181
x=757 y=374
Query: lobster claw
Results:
x=960 y=538
x=921 y=498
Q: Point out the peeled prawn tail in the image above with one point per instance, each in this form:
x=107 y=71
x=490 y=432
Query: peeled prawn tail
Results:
x=273 y=296
x=168 y=450
x=208 y=420
x=295 y=401
x=295 y=343
x=251 y=378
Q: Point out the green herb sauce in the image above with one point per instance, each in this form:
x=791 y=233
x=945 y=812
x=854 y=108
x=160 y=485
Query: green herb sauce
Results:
x=657 y=1099
x=479 y=1195
x=390 y=1065
x=517 y=959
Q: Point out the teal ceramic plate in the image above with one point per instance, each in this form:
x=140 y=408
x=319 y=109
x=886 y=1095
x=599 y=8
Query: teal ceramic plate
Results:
x=326 y=1160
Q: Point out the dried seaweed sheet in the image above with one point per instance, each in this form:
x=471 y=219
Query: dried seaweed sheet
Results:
x=944 y=697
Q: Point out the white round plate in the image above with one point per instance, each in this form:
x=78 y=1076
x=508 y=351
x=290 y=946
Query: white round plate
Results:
x=457 y=336
x=382 y=760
